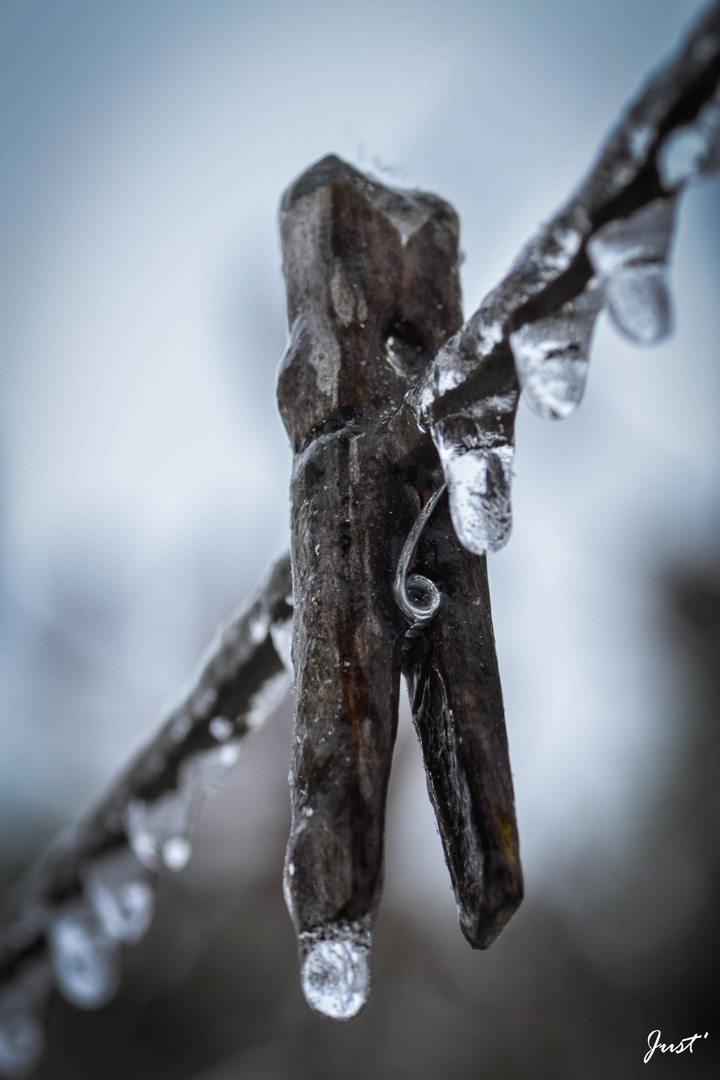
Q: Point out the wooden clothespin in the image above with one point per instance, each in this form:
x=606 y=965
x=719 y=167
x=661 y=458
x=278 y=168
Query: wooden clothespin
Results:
x=373 y=292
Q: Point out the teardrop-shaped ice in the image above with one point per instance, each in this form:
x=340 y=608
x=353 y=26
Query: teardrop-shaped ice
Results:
x=159 y=830
x=335 y=970
x=693 y=149
x=631 y=254
x=551 y=355
x=204 y=771
x=281 y=633
x=264 y=703
x=21 y=1044
x=478 y=481
x=119 y=891
x=85 y=957
x=639 y=303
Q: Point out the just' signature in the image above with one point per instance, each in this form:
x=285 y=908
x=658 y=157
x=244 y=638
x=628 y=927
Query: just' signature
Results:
x=670 y=1048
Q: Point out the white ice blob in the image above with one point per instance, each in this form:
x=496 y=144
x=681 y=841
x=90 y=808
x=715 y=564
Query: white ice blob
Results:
x=119 y=891
x=281 y=633
x=203 y=772
x=21 y=1044
x=335 y=970
x=478 y=481
x=693 y=149
x=221 y=728
x=85 y=958
x=631 y=254
x=158 y=830
x=552 y=354
x=264 y=703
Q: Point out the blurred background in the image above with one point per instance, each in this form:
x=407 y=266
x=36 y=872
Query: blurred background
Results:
x=143 y=491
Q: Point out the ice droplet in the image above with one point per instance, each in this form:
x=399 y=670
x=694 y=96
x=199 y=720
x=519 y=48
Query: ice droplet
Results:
x=123 y=898
x=335 y=970
x=552 y=354
x=21 y=1044
x=221 y=728
x=267 y=698
x=639 y=302
x=693 y=149
x=205 y=771
x=281 y=634
x=631 y=254
x=154 y=829
x=85 y=957
x=478 y=481
x=258 y=626
x=176 y=852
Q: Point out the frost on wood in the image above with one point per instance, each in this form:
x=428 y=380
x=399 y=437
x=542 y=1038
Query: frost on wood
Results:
x=373 y=293
x=609 y=244
x=94 y=889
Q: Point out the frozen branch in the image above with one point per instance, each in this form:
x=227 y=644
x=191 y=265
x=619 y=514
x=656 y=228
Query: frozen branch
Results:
x=608 y=245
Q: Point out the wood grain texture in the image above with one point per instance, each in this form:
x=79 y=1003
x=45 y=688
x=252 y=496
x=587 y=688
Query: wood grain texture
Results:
x=373 y=292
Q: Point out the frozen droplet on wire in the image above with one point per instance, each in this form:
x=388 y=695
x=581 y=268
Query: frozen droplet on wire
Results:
x=281 y=633
x=85 y=958
x=158 y=830
x=552 y=354
x=478 y=481
x=204 y=772
x=118 y=888
x=639 y=302
x=631 y=254
x=21 y=1044
x=335 y=970
x=693 y=149
x=22 y=1002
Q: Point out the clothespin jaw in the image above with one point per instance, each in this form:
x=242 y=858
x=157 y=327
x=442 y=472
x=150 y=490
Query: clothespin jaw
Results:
x=373 y=293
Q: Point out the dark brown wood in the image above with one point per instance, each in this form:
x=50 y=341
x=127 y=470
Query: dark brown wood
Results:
x=456 y=698
x=373 y=292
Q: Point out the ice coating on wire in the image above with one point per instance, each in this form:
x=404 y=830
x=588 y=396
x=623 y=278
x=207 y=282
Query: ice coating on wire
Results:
x=610 y=243
x=108 y=887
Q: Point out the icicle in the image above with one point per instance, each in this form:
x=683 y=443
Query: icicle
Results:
x=159 y=830
x=478 y=481
x=693 y=149
x=22 y=1034
x=281 y=633
x=85 y=958
x=335 y=969
x=631 y=253
x=123 y=899
x=552 y=354
x=21 y=1044
x=267 y=699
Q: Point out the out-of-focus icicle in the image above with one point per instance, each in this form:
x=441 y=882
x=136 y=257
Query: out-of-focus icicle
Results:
x=85 y=958
x=693 y=149
x=90 y=892
x=22 y=1034
x=631 y=255
x=121 y=893
x=552 y=354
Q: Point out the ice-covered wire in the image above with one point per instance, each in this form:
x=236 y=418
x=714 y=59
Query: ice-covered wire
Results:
x=609 y=246
x=94 y=888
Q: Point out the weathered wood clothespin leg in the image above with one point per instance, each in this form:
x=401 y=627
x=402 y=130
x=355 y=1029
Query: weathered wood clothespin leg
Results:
x=373 y=292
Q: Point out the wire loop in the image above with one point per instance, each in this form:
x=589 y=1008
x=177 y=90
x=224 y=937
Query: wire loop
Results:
x=417 y=596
